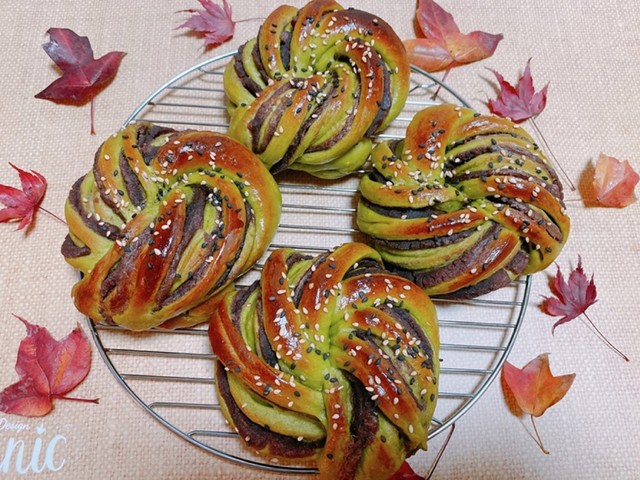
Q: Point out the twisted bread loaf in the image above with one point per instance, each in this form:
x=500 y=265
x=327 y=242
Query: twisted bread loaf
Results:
x=464 y=204
x=163 y=222
x=314 y=85
x=330 y=359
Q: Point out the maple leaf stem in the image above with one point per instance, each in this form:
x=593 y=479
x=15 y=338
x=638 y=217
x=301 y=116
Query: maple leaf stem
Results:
x=444 y=78
x=76 y=399
x=91 y=107
x=601 y=336
x=581 y=199
x=538 y=439
x=556 y=163
x=52 y=214
x=253 y=19
x=436 y=460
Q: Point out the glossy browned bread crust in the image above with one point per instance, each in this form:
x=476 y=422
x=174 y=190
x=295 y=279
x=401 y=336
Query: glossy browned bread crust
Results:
x=163 y=222
x=464 y=204
x=329 y=359
x=309 y=91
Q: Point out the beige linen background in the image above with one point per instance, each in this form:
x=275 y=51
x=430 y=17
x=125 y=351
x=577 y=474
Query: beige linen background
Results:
x=587 y=50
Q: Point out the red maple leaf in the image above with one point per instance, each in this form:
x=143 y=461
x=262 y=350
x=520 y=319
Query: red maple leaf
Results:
x=21 y=205
x=519 y=102
x=48 y=369
x=614 y=182
x=441 y=45
x=572 y=299
x=535 y=389
x=214 y=23
x=83 y=77
x=405 y=472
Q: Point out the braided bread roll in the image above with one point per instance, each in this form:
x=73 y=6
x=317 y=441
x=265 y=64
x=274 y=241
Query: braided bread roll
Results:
x=314 y=85
x=464 y=204
x=329 y=359
x=163 y=222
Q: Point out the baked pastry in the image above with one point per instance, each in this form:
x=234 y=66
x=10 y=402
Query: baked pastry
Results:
x=464 y=204
x=329 y=359
x=309 y=91
x=163 y=222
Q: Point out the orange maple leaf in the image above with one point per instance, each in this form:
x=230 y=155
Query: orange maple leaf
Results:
x=535 y=389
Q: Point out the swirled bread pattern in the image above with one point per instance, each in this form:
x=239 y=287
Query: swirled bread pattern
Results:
x=314 y=85
x=464 y=204
x=329 y=359
x=163 y=222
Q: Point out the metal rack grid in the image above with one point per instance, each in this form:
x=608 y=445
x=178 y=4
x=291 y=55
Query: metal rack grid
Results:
x=170 y=373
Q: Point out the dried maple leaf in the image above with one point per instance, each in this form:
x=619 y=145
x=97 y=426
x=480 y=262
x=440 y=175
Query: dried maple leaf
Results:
x=521 y=102
x=83 y=77
x=21 y=205
x=518 y=102
x=214 y=23
x=405 y=472
x=441 y=45
x=572 y=299
x=48 y=369
x=535 y=389
x=614 y=182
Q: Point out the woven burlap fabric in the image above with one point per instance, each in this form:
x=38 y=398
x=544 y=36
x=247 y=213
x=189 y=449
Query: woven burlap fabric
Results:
x=588 y=52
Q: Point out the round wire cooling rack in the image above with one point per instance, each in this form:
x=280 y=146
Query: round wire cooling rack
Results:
x=169 y=373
